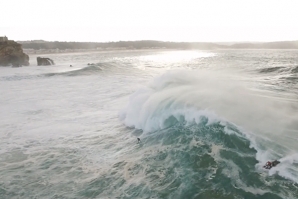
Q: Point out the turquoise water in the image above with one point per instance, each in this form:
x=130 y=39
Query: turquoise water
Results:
x=208 y=121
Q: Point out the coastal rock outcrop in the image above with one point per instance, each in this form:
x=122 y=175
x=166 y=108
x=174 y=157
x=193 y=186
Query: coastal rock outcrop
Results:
x=44 y=61
x=11 y=54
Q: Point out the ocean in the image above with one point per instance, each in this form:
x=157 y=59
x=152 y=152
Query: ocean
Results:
x=208 y=121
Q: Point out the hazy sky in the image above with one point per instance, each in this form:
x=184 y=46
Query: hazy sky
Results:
x=167 y=20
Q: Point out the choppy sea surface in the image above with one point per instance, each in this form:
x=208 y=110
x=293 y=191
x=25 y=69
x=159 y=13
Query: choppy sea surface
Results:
x=208 y=121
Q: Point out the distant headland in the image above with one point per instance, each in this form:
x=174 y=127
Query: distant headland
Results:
x=36 y=46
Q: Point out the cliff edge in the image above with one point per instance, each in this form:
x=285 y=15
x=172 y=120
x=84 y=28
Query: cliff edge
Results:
x=11 y=54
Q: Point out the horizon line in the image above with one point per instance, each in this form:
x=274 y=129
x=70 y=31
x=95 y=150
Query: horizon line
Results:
x=162 y=41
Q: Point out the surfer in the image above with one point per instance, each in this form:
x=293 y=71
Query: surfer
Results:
x=269 y=164
x=139 y=140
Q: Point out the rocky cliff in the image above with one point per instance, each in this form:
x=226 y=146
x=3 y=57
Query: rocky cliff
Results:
x=11 y=54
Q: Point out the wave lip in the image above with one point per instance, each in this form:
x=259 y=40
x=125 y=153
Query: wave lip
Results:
x=89 y=70
x=271 y=69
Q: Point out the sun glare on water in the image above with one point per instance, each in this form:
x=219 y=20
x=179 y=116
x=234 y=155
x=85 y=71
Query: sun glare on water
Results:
x=176 y=56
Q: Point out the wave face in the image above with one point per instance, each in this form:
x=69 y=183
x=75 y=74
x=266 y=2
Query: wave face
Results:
x=189 y=123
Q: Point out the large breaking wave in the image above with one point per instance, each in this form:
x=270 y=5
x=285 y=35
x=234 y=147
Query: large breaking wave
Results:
x=211 y=132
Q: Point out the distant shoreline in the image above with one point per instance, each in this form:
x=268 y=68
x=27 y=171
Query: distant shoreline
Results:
x=88 y=51
x=39 y=46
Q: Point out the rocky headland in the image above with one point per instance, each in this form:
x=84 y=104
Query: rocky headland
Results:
x=11 y=54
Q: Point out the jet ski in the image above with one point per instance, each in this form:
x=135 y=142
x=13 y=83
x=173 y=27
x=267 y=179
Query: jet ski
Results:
x=269 y=164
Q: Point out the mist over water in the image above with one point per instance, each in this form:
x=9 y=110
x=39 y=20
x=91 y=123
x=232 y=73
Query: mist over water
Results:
x=208 y=122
